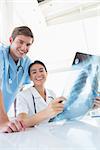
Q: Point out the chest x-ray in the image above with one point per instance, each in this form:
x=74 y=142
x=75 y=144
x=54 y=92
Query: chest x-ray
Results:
x=83 y=91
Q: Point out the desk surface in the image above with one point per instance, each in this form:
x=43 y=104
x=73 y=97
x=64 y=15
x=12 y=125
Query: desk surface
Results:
x=74 y=135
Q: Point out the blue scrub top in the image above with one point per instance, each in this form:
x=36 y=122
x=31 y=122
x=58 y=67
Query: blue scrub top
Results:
x=12 y=76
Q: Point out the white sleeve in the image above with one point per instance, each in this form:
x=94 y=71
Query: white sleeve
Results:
x=21 y=104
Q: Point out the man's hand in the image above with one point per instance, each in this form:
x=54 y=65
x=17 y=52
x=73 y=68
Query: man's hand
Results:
x=12 y=126
x=97 y=103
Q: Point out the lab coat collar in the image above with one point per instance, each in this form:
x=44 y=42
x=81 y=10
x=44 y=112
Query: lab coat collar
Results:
x=38 y=96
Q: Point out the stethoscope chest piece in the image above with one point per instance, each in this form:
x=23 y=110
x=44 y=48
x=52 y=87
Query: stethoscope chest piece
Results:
x=10 y=81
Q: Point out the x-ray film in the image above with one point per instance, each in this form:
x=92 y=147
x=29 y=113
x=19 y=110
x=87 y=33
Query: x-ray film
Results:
x=83 y=91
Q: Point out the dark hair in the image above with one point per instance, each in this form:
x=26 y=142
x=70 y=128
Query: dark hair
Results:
x=22 y=30
x=36 y=62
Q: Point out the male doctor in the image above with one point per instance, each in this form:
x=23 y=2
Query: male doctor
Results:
x=13 y=74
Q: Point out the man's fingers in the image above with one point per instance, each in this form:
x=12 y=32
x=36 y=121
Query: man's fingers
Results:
x=7 y=129
x=13 y=126
x=19 y=125
x=22 y=124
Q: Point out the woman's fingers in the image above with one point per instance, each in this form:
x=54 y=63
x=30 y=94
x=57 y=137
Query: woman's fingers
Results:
x=97 y=102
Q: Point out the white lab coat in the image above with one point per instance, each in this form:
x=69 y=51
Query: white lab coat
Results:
x=24 y=103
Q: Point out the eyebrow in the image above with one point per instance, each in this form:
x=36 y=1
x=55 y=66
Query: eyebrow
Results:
x=24 y=42
x=36 y=69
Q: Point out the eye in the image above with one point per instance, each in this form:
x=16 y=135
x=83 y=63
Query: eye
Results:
x=33 y=72
x=20 y=42
x=28 y=45
x=41 y=70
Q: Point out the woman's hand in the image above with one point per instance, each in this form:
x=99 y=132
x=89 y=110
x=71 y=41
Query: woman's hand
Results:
x=97 y=103
x=55 y=107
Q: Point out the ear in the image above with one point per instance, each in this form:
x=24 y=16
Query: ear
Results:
x=10 y=40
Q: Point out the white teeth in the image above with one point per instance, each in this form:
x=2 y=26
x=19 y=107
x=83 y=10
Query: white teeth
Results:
x=21 y=52
x=39 y=79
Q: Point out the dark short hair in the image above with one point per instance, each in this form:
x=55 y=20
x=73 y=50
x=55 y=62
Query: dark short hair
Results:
x=36 y=62
x=22 y=30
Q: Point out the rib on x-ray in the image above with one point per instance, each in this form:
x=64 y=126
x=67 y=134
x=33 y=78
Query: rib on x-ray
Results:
x=83 y=92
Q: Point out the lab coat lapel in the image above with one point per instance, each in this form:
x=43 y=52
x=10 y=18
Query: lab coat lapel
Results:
x=37 y=96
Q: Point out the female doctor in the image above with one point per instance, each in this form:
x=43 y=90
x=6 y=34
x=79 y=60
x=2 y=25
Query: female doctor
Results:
x=37 y=104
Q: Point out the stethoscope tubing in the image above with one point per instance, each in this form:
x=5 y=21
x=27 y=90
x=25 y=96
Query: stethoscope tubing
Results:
x=35 y=103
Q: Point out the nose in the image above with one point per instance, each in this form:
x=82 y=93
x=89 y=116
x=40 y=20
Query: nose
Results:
x=24 y=48
x=38 y=73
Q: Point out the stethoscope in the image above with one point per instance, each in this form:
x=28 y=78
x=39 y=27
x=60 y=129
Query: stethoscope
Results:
x=35 y=103
x=19 y=68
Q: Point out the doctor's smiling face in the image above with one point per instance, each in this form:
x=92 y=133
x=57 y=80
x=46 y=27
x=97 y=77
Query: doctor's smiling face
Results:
x=20 y=42
x=38 y=73
x=20 y=46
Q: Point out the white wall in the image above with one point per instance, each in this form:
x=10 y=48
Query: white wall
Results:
x=54 y=45
x=58 y=46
